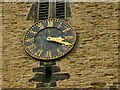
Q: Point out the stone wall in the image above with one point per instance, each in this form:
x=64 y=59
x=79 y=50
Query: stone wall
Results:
x=0 y=45
x=92 y=63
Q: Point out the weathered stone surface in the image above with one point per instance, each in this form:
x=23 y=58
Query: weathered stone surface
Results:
x=95 y=55
x=0 y=45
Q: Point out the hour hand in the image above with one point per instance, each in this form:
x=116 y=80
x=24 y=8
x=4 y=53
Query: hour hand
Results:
x=58 y=40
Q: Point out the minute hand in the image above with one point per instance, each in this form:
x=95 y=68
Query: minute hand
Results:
x=58 y=40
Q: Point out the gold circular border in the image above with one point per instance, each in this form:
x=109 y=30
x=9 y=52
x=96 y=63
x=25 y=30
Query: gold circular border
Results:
x=49 y=59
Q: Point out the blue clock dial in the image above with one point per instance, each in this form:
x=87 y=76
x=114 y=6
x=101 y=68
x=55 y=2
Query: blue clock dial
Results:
x=49 y=39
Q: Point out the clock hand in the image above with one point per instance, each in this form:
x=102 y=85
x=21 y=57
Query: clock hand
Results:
x=58 y=40
x=55 y=39
x=66 y=43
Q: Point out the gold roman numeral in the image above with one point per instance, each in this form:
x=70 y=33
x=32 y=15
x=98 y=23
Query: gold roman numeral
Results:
x=69 y=37
x=29 y=40
x=38 y=52
x=64 y=47
x=31 y=31
x=59 y=25
x=41 y=26
x=59 y=51
x=50 y=23
x=31 y=47
x=66 y=29
x=48 y=54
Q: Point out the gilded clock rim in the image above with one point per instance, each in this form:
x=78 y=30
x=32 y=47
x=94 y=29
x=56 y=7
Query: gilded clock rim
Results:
x=57 y=57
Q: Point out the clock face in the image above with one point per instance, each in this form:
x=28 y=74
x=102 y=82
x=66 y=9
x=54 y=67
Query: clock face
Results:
x=49 y=39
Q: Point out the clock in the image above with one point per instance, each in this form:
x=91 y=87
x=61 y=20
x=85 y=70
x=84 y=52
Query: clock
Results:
x=49 y=39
